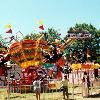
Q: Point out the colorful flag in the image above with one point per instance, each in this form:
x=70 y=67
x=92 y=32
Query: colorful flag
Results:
x=8 y=26
x=41 y=27
x=40 y=22
x=9 y=31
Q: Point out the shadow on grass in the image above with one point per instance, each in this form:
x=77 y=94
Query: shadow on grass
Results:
x=69 y=99
x=16 y=97
x=95 y=96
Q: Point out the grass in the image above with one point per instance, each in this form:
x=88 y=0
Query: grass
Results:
x=31 y=96
x=47 y=96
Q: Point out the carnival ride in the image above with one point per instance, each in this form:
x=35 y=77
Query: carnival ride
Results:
x=31 y=55
x=38 y=58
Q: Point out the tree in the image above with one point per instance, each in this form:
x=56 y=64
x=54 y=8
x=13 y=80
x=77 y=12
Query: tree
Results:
x=50 y=35
x=91 y=45
x=53 y=39
x=32 y=36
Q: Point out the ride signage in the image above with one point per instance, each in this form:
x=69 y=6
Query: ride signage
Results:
x=79 y=35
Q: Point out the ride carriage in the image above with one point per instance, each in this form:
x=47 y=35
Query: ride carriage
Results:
x=28 y=52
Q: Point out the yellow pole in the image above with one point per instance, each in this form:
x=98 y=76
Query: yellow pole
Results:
x=37 y=45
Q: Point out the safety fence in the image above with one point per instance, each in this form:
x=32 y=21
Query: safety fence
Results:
x=48 y=91
x=51 y=92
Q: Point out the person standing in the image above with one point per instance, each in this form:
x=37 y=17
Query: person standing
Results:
x=86 y=84
x=37 y=88
x=45 y=84
x=65 y=87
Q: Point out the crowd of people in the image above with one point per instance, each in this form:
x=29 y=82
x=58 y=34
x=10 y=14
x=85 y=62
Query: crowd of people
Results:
x=41 y=85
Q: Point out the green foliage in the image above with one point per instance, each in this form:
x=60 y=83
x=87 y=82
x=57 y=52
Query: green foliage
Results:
x=50 y=35
x=2 y=41
x=82 y=45
x=32 y=36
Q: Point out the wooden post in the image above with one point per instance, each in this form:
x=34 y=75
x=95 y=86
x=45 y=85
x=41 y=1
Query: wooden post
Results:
x=82 y=81
x=77 y=77
x=43 y=93
x=73 y=84
x=8 y=88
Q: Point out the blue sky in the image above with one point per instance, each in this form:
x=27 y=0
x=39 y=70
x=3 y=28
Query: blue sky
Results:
x=24 y=15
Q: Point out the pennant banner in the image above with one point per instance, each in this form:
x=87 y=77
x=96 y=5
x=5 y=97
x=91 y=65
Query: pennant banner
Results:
x=40 y=22
x=8 y=26
x=9 y=31
x=41 y=27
